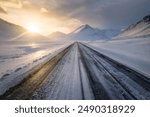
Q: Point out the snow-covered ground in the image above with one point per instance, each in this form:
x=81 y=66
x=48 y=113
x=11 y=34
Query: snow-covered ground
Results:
x=134 y=53
x=17 y=58
x=78 y=72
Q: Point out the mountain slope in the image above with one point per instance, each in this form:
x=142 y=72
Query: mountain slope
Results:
x=12 y=32
x=8 y=30
x=141 y=28
x=86 y=32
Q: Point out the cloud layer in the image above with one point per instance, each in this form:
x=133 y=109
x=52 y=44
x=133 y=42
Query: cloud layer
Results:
x=66 y=15
x=102 y=13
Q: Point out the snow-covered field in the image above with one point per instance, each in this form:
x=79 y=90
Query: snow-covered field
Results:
x=17 y=59
x=97 y=66
x=134 y=52
x=77 y=71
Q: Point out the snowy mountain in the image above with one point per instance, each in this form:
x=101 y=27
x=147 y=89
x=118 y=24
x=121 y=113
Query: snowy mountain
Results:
x=86 y=32
x=8 y=30
x=139 y=29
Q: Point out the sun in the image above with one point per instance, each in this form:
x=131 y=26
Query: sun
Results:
x=34 y=28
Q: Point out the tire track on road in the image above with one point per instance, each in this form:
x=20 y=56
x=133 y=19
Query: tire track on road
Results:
x=111 y=75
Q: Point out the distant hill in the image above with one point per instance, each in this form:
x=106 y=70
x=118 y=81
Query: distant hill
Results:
x=9 y=30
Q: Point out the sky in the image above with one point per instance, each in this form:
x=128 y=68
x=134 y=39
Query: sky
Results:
x=66 y=15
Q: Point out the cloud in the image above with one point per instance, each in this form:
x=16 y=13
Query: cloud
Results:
x=11 y=3
x=48 y=20
x=43 y=10
x=102 y=13
x=66 y=15
x=3 y=10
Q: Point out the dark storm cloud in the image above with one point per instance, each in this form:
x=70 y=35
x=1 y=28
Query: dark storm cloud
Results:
x=102 y=13
x=125 y=13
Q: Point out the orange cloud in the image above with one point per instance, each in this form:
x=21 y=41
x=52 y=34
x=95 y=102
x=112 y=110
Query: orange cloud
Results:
x=11 y=3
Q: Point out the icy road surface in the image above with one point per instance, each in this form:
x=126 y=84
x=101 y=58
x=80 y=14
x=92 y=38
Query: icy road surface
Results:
x=79 y=72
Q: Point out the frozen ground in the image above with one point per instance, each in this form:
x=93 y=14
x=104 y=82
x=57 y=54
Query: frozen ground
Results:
x=79 y=72
x=17 y=59
x=134 y=53
x=105 y=69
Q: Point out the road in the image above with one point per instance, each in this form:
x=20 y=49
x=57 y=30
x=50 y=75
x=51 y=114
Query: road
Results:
x=79 y=72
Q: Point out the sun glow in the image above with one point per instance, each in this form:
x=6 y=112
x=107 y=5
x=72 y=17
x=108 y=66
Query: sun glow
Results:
x=33 y=28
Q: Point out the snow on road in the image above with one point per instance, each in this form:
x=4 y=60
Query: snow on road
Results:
x=67 y=81
x=115 y=81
